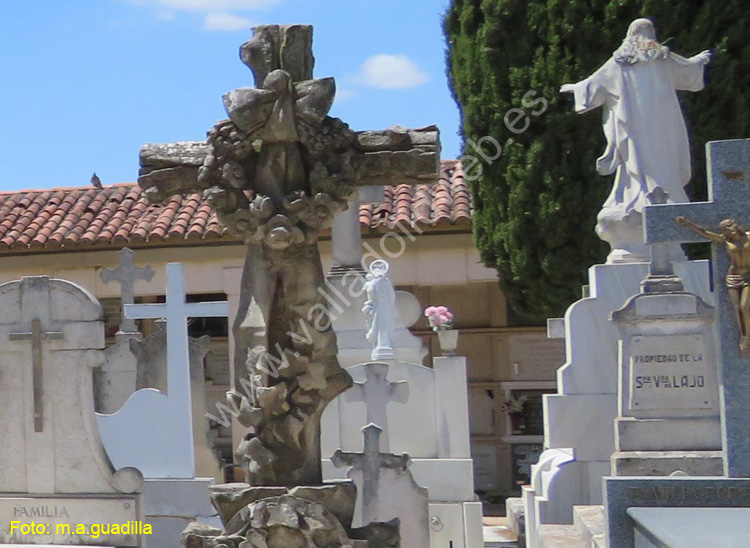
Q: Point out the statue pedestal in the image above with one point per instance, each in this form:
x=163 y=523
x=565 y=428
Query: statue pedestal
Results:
x=623 y=231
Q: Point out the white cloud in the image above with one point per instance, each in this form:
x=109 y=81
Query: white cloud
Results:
x=226 y=22
x=345 y=94
x=391 y=72
x=166 y=15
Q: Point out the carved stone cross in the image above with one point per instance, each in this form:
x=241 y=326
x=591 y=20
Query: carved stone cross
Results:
x=277 y=172
x=370 y=461
x=729 y=195
x=376 y=392
x=36 y=336
x=126 y=275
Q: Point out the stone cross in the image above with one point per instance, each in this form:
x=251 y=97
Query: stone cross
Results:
x=370 y=461
x=729 y=196
x=277 y=198
x=152 y=418
x=376 y=392
x=36 y=336
x=126 y=275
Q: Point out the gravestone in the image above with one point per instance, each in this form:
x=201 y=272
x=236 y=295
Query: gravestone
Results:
x=376 y=392
x=729 y=190
x=649 y=154
x=277 y=172
x=52 y=462
x=387 y=489
x=151 y=356
x=431 y=425
x=115 y=381
x=154 y=429
x=157 y=459
x=668 y=412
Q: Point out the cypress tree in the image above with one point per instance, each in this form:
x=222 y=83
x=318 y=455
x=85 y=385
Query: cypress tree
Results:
x=536 y=204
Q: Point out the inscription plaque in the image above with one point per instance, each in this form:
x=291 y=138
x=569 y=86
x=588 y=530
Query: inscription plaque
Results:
x=534 y=357
x=50 y=514
x=670 y=372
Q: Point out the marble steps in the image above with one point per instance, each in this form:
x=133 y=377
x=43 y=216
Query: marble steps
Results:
x=587 y=530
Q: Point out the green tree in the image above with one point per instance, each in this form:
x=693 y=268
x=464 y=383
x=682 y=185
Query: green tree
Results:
x=536 y=205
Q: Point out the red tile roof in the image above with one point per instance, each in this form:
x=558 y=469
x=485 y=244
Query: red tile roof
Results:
x=75 y=218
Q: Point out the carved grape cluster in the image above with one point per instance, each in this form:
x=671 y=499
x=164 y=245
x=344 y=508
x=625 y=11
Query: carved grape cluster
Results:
x=332 y=134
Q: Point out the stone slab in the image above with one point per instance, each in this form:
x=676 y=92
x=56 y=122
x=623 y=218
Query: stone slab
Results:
x=665 y=463
x=188 y=498
x=670 y=372
x=621 y=494
x=560 y=536
x=686 y=434
x=693 y=527
x=582 y=421
x=589 y=520
x=53 y=510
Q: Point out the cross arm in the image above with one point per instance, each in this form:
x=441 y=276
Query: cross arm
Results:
x=212 y=309
x=346 y=458
x=145 y=311
x=400 y=391
x=172 y=168
x=398 y=156
x=660 y=225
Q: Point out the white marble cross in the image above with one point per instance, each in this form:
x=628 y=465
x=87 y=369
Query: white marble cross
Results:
x=376 y=392
x=161 y=443
x=126 y=275
x=370 y=461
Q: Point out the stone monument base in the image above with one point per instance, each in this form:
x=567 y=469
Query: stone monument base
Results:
x=678 y=434
x=61 y=516
x=666 y=463
x=280 y=517
x=170 y=505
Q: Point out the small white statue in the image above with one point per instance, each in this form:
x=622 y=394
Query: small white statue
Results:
x=380 y=306
x=647 y=143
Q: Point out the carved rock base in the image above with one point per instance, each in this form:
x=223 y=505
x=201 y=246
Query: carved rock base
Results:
x=280 y=517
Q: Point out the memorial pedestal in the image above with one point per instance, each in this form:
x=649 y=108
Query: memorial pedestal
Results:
x=668 y=394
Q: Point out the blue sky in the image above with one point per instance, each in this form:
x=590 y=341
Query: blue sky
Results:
x=86 y=82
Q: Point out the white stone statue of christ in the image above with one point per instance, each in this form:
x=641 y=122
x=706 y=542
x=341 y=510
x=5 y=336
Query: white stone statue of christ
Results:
x=647 y=142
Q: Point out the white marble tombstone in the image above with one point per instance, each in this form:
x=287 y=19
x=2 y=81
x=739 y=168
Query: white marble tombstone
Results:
x=431 y=425
x=154 y=430
x=115 y=381
x=52 y=458
x=387 y=489
x=579 y=421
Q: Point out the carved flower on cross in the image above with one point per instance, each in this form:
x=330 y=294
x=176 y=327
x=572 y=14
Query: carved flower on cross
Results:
x=233 y=175
x=321 y=211
x=241 y=223
x=281 y=233
x=261 y=207
x=221 y=199
x=314 y=378
x=272 y=400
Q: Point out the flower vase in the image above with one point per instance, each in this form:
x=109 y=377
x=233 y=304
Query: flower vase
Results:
x=448 y=339
x=516 y=423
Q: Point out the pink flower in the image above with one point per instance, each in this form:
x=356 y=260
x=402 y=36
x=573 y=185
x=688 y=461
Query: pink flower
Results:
x=441 y=310
x=430 y=311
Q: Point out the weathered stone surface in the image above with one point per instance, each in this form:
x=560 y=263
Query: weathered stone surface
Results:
x=338 y=498
x=286 y=522
x=230 y=498
x=180 y=154
x=379 y=535
x=194 y=534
